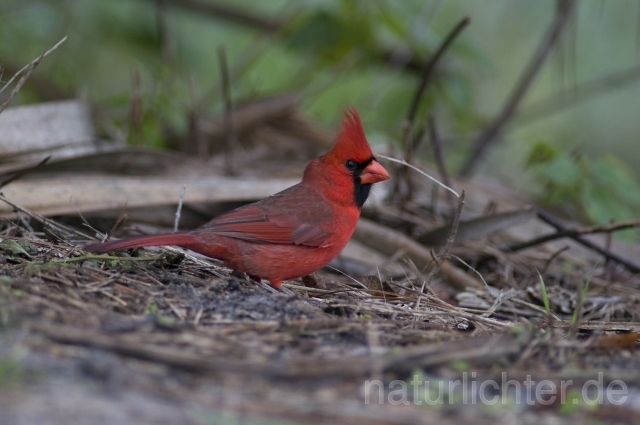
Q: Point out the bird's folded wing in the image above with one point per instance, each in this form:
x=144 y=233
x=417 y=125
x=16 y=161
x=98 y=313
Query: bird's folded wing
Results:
x=254 y=224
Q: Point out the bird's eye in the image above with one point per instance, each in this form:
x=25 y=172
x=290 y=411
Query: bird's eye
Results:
x=350 y=164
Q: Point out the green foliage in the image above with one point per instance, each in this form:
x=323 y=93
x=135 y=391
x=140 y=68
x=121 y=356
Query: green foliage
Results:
x=13 y=250
x=545 y=297
x=146 y=84
x=146 y=87
x=583 y=295
x=598 y=189
x=152 y=309
x=460 y=365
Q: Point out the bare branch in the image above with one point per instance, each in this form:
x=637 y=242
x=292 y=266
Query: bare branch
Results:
x=430 y=66
x=406 y=164
x=27 y=72
x=510 y=108
x=228 y=13
x=550 y=219
x=576 y=231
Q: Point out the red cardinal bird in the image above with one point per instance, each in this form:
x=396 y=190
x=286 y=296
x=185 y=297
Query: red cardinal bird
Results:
x=294 y=232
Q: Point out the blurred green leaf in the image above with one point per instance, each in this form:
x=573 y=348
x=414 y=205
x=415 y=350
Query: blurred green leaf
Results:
x=615 y=175
x=562 y=171
x=541 y=153
x=392 y=21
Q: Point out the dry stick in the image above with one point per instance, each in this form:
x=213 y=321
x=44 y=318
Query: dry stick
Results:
x=27 y=72
x=638 y=32
x=482 y=142
x=228 y=106
x=389 y=241
x=23 y=172
x=179 y=210
x=239 y=68
x=406 y=164
x=578 y=94
x=86 y=223
x=21 y=70
x=549 y=219
x=164 y=33
x=136 y=115
x=429 y=67
x=576 y=231
x=436 y=144
x=427 y=73
x=228 y=13
x=121 y=217
x=447 y=248
x=25 y=224
x=607 y=245
x=44 y=221
x=573 y=329
x=553 y=257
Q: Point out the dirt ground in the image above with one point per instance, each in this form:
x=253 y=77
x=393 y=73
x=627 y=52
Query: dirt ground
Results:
x=514 y=322
x=162 y=339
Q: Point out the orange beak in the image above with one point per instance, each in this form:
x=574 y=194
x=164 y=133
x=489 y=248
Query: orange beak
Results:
x=374 y=173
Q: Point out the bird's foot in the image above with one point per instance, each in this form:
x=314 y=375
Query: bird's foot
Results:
x=254 y=277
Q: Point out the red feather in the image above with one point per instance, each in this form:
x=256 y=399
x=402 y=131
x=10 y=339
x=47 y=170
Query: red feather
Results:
x=292 y=233
x=272 y=220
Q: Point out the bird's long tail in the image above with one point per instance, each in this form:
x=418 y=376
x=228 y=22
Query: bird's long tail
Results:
x=180 y=239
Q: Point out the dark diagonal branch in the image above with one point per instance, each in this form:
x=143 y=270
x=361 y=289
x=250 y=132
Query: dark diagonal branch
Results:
x=429 y=67
x=576 y=236
x=228 y=13
x=408 y=137
x=577 y=231
x=576 y=95
x=510 y=108
x=229 y=133
x=26 y=72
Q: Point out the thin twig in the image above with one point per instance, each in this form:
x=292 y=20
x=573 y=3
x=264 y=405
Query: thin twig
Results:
x=447 y=248
x=408 y=125
x=429 y=67
x=583 y=287
x=436 y=144
x=576 y=231
x=86 y=223
x=470 y=267
x=510 y=108
x=179 y=210
x=553 y=257
x=164 y=33
x=579 y=94
x=121 y=217
x=406 y=164
x=136 y=114
x=44 y=221
x=27 y=72
x=228 y=107
x=23 y=172
x=346 y=275
x=25 y=223
x=228 y=13
x=550 y=219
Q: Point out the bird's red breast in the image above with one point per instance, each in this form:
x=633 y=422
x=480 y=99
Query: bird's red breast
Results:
x=294 y=232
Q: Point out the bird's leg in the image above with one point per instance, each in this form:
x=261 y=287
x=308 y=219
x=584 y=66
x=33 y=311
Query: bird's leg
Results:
x=314 y=281
x=237 y=274
x=254 y=277
x=276 y=283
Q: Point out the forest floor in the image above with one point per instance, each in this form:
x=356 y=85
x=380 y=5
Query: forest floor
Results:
x=163 y=339
x=524 y=319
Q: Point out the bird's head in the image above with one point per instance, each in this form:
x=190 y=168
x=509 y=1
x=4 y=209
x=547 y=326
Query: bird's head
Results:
x=350 y=163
